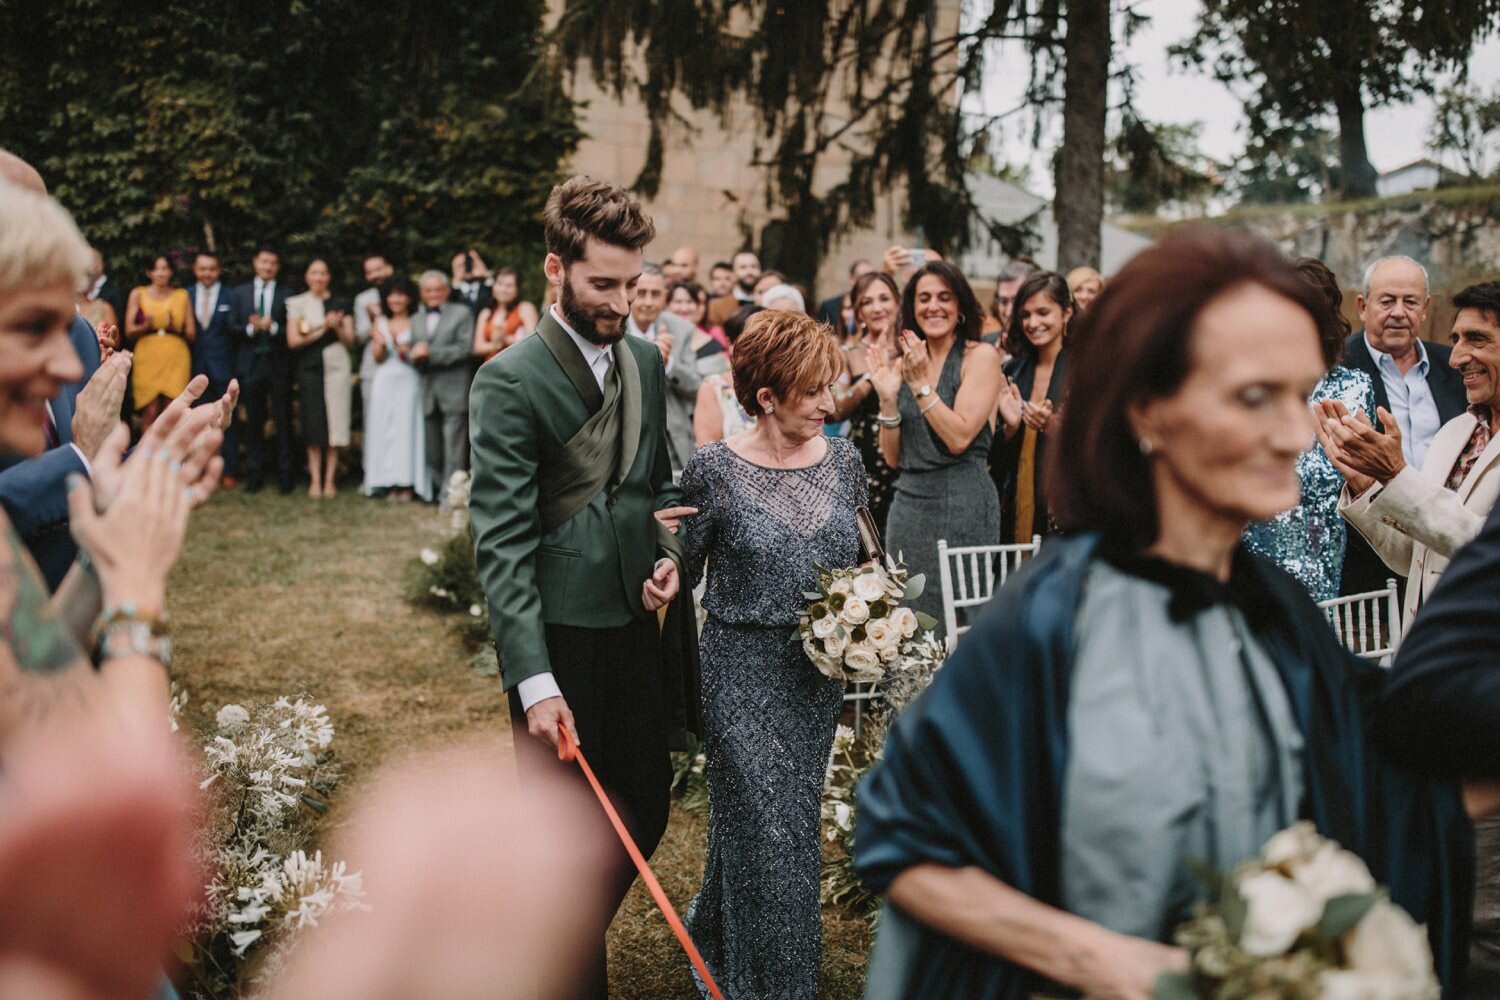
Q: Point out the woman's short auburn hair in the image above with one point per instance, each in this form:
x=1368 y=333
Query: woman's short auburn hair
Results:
x=785 y=352
x=1134 y=344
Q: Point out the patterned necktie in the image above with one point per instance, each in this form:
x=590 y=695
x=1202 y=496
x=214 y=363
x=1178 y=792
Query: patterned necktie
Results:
x=49 y=428
x=1478 y=441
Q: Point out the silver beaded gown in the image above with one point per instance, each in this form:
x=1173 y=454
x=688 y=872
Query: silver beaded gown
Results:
x=768 y=715
x=1308 y=540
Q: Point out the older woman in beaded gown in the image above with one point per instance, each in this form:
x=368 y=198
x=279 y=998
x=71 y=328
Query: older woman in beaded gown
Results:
x=771 y=503
x=1308 y=540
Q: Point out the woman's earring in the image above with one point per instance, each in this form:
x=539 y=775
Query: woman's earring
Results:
x=1147 y=447
x=770 y=410
x=962 y=319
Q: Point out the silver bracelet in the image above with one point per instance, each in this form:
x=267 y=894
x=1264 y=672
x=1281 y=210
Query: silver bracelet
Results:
x=886 y=421
x=929 y=406
x=133 y=637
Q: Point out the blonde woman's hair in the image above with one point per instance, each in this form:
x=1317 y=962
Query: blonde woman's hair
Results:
x=39 y=243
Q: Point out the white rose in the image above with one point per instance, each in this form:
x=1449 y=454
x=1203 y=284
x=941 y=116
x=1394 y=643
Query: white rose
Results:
x=476 y=611
x=905 y=619
x=1292 y=846
x=1279 y=911
x=861 y=657
x=231 y=719
x=836 y=644
x=1332 y=872
x=841 y=587
x=889 y=655
x=869 y=587
x=1388 y=943
x=856 y=611
x=882 y=634
x=823 y=627
x=429 y=557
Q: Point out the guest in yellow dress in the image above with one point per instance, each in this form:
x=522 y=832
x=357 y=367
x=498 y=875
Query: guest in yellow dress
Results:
x=159 y=326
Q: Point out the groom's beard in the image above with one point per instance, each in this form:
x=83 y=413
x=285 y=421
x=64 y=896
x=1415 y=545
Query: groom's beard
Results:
x=583 y=323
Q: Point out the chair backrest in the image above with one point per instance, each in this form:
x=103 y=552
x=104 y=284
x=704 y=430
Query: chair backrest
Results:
x=969 y=575
x=1368 y=624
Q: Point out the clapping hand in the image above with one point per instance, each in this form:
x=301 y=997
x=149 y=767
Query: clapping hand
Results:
x=1363 y=455
x=915 y=361
x=97 y=408
x=108 y=336
x=1038 y=416
x=1011 y=406
x=664 y=344
x=885 y=376
x=192 y=434
x=661 y=586
x=420 y=352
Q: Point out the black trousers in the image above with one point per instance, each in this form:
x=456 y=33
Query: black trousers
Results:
x=611 y=680
x=267 y=392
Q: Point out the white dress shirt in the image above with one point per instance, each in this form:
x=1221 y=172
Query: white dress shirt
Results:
x=650 y=334
x=268 y=288
x=1411 y=399
x=208 y=301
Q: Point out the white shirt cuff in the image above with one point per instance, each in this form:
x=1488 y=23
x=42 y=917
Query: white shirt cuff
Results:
x=668 y=369
x=537 y=687
x=82 y=458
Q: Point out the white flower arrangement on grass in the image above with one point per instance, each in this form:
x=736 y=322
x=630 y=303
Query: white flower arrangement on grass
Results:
x=856 y=627
x=265 y=764
x=1305 y=919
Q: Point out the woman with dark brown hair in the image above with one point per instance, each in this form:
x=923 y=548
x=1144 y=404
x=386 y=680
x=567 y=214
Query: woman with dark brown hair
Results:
x=1308 y=540
x=1146 y=692
x=877 y=315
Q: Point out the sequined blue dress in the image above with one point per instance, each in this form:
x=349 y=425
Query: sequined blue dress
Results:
x=1308 y=540
x=768 y=714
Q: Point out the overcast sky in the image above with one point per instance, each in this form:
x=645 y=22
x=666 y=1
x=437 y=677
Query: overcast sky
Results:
x=1167 y=93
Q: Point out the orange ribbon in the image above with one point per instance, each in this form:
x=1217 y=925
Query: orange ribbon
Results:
x=567 y=750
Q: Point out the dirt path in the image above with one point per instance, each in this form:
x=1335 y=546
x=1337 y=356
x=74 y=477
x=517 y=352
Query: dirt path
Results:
x=284 y=595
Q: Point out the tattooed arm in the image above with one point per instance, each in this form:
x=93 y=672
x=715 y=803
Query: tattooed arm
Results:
x=44 y=677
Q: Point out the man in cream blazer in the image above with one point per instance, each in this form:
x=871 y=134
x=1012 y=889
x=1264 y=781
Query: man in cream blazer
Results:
x=1415 y=519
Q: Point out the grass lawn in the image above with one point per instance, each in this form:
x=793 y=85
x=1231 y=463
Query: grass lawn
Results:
x=285 y=595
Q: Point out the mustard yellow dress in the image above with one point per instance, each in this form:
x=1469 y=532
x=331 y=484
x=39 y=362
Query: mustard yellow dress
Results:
x=163 y=361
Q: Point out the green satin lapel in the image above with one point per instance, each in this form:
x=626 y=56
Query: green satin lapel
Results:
x=571 y=360
x=630 y=404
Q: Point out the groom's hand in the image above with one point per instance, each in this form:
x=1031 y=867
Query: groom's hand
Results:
x=661 y=586
x=543 y=717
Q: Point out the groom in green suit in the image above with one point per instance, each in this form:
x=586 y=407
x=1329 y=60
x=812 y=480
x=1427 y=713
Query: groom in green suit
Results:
x=574 y=514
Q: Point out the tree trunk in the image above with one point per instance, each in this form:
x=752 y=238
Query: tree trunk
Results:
x=1079 y=204
x=1354 y=158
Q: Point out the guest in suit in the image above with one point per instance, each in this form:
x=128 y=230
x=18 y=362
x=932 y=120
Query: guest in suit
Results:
x=105 y=296
x=720 y=280
x=265 y=367
x=319 y=334
x=442 y=348
x=472 y=284
x=573 y=510
x=160 y=328
x=1417 y=520
x=746 y=268
x=1028 y=403
x=831 y=310
x=215 y=352
x=673 y=336
x=1412 y=380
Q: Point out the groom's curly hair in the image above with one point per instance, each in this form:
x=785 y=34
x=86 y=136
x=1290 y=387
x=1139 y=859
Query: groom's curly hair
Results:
x=582 y=207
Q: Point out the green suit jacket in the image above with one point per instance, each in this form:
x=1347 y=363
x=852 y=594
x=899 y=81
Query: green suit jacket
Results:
x=587 y=572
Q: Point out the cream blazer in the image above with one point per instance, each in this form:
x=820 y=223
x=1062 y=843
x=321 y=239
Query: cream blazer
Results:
x=1416 y=523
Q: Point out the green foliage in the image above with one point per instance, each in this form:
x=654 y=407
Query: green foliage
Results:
x=1466 y=123
x=1287 y=166
x=332 y=127
x=447 y=579
x=1305 y=59
x=1153 y=165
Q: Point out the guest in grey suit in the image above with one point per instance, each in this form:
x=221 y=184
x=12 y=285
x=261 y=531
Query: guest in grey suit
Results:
x=443 y=346
x=673 y=336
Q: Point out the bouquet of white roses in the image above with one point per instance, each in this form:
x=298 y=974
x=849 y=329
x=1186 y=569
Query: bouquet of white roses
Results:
x=855 y=625
x=1306 y=921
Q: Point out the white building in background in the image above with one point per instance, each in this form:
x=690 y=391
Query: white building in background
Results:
x=1419 y=175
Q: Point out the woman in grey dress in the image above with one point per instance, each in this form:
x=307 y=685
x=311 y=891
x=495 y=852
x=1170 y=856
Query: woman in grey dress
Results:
x=935 y=411
x=772 y=503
